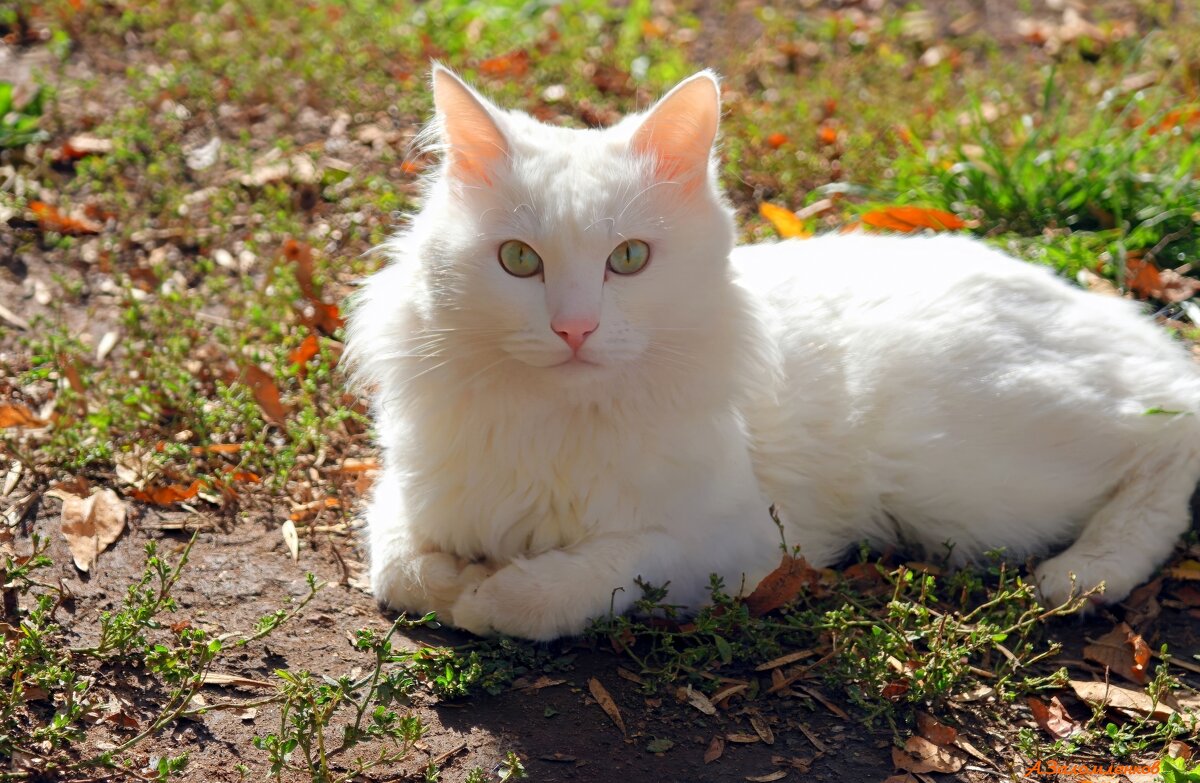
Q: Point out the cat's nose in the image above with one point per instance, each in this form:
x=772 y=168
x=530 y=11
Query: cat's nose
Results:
x=574 y=330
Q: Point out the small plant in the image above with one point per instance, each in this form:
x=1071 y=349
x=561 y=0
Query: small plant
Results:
x=19 y=125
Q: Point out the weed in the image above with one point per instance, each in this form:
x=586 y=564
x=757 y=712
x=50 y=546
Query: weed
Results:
x=19 y=124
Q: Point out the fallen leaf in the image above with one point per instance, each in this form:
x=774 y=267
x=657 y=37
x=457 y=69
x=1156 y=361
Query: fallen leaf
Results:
x=291 y=538
x=1175 y=288
x=1121 y=651
x=353 y=465
x=825 y=702
x=165 y=496
x=921 y=755
x=728 y=691
x=17 y=415
x=1100 y=694
x=50 y=219
x=827 y=134
x=934 y=731
x=776 y=140
x=908 y=219
x=307 y=510
x=300 y=254
x=659 y=745
x=778 y=774
x=90 y=524
x=235 y=680
x=905 y=778
x=716 y=747
x=1053 y=718
x=506 y=65
x=1142 y=277
x=699 y=701
x=83 y=145
x=781 y=586
x=742 y=738
x=1142 y=606
x=606 y=703
x=762 y=729
x=216 y=448
x=266 y=393
x=784 y=220
x=784 y=660
x=309 y=348
x=1184 y=570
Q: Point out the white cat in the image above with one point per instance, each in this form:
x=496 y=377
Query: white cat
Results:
x=579 y=381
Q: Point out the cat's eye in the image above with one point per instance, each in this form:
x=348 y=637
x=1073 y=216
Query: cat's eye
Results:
x=629 y=257
x=519 y=259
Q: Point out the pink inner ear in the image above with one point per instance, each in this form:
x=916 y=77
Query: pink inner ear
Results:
x=680 y=130
x=476 y=143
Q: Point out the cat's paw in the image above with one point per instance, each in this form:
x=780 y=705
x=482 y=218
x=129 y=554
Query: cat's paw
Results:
x=428 y=582
x=1070 y=575
x=510 y=602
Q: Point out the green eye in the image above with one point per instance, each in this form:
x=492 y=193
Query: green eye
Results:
x=519 y=259
x=629 y=257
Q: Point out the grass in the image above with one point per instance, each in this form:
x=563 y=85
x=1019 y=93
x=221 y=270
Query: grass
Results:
x=220 y=288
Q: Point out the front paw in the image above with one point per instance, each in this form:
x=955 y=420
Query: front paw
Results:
x=1069 y=576
x=510 y=602
x=428 y=582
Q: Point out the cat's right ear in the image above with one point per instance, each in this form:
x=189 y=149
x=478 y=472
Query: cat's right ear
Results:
x=474 y=142
x=679 y=131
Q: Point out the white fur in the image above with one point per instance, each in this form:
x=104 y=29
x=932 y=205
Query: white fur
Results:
x=914 y=390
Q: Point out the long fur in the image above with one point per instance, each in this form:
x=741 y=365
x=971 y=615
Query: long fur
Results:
x=897 y=390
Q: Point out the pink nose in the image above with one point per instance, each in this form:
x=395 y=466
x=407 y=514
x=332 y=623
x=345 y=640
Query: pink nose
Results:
x=574 y=330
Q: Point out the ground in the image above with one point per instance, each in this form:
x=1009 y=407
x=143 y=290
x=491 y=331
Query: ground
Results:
x=197 y=193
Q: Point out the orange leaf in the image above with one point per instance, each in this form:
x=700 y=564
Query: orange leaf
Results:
x=165 y=496
x=305 y=351
x=776 y=140
x=935 y=732
x=1053 y=718
x=265 y=391
x=782 y=586
x=921 y=755
x=15 y=415
x=908 y=219
x=50 y=219
x=1187 y=118
x=827 y=134
x=784 y=221
x=1142 y=277
x=215 y=448
x=301 y=255
x=511 y=64
x=1123 y=652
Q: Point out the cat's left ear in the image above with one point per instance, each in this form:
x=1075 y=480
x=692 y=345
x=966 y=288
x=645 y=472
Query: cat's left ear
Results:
x=678 y=133
x=475 y=144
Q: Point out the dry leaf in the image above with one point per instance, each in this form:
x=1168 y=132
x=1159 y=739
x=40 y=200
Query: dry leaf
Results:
x=291 y=538
x=778 y=774
x=216 y=448
x=905 y=778
x=237 y=681
x=781 y=586
x=934 y=731
x=165 y=496
x=784 y=220
x=17 y=415
x=606 y=703
x=742 y=738
x=699 y=701
x=305 y=351
x=776 y=140
x=1123 y=699
x=1053 y=718
x=50 y=219
x=762 y=729
x=90 y=524
x=83 y=145
x=908 y=219
x=265 y=391
x=715 y=748
x=921 y=755
x=308 y=510
x=506 y=65
x=784 y=660
x=1184 y=570
x=1123 y=652
x=1142 y=277
x=728 y=691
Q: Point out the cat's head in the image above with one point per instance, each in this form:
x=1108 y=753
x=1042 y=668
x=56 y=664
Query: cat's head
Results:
x=574 y=255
